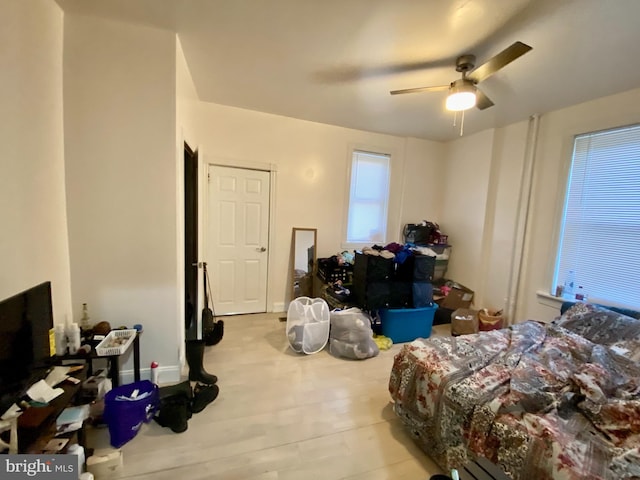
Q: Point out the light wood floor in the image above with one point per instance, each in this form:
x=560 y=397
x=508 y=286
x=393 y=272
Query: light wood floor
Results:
x=283 y=416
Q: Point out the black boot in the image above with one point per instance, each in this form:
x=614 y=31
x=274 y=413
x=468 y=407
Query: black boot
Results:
x=203 y=395
x=197 y=373
x=175 y=406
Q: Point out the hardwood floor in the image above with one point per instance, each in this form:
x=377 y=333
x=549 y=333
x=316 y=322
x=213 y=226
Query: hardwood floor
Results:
x=283 y=416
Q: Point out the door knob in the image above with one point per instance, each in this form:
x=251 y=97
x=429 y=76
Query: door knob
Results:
x=261 y=249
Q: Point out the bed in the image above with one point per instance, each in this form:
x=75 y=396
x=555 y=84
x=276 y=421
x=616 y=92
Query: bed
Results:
x=541 y=401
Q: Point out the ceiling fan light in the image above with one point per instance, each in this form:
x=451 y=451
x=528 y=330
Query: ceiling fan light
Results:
x=462 y=95
x=458 y=101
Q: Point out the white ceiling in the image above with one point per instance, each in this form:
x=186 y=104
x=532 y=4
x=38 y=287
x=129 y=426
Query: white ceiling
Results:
x=335 y=61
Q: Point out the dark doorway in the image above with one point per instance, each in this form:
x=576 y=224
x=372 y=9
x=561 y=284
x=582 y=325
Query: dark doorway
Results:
x=191 y=242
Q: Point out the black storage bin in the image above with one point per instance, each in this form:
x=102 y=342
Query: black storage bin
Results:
x=373 y=268
x=442 y=316
x=372 y=281
x=422 y=294
x=375 y=295
x=401 y=294
x=423 y=268
x=405 y=271
x=411 y=285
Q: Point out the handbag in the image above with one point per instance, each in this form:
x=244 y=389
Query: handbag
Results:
x=212 y=329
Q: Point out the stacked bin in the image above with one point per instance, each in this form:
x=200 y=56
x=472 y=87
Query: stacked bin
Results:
x=423 y=274
x=442 y=260
x=372 y=277
x=379 y=282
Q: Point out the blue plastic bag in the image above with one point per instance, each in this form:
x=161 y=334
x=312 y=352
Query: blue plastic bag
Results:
x=127 y=407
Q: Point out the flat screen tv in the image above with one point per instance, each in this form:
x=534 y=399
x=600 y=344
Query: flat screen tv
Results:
x=25 y=322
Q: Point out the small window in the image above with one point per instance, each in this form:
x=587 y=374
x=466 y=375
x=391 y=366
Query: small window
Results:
x=368 y=198
x=600 y=235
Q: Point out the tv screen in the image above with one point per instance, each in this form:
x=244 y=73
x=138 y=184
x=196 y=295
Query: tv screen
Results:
x=25 y=322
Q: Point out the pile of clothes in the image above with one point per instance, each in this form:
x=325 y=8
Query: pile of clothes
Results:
x=399 y=253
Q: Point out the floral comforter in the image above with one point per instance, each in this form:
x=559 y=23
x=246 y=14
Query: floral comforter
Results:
x=539 y=400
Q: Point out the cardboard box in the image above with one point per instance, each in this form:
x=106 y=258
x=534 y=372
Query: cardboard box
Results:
x=464 y=321
x=459 y=297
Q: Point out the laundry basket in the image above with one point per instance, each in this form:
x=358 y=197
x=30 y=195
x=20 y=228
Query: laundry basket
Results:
x=308 y=324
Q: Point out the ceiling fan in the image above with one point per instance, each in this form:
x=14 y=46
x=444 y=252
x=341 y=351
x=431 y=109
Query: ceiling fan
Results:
x=463 y=93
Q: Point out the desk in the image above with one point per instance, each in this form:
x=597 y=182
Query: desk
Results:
x=113 y=361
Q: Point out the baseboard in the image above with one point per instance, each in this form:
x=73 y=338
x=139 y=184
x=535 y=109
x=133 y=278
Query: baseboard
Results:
x=166 y=375
x=278 y=307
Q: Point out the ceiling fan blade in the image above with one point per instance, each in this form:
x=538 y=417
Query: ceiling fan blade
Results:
x=501 y=60
x=482 y=101
x=420 y=89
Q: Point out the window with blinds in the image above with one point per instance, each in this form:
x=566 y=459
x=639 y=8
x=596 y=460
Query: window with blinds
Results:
x=368 y=198
x=600 y=235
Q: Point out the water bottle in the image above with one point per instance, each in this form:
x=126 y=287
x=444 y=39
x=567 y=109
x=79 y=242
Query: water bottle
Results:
x=569 y=285
x=84 y=320
x=61 y=340
x=73 y=338
x=154 y=372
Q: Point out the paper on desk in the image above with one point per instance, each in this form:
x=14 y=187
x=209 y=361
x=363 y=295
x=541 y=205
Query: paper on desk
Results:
x=56 y=375
x=73 y=415
x=42 y=392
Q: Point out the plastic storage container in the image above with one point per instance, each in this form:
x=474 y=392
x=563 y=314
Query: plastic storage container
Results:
x=407 y=324
x=116 y=343
x=442 y=254
x=441 y=269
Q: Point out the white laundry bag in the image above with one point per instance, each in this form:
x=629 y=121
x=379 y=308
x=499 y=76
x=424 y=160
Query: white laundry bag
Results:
x=308 y=324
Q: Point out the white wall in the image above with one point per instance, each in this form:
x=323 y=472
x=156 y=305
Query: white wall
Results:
x=33 y=242
x=312 y=162
x=466 y=177
x=423 y=188
x=120 y=147
x=186 y=101
x=504 y=190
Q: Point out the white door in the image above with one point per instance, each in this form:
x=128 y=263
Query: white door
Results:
x=237 y=239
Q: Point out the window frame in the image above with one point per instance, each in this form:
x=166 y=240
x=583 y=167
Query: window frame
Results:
x=353 y=149
x=557 y=273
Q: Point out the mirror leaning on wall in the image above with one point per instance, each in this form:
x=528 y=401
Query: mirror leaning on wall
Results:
x=303 y=259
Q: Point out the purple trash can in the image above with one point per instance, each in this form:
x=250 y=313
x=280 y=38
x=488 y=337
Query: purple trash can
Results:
x=127 y=407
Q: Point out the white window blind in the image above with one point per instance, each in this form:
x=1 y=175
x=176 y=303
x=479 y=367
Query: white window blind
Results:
x=600 y=239
x=368 y=198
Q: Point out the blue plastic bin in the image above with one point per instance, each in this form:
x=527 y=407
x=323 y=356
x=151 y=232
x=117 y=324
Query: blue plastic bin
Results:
x=407 y=324
x=124 y=416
